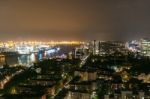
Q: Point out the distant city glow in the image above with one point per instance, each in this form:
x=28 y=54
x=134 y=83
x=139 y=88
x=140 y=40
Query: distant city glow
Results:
x=12 y=43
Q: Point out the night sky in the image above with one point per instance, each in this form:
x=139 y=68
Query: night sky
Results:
x=74 y=19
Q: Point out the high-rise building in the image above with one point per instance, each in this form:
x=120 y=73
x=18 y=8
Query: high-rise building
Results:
x=107 y=47
x=145 y=47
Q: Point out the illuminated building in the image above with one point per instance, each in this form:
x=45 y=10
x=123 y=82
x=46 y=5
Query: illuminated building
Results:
x=128 y=95
x=24 y=49
x=2 y=59
x=145 y=47
x=133 y=46
x=79 y=53
x=107 y=47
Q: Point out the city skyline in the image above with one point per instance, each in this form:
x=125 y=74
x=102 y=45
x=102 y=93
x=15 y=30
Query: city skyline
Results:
x=74 y=20
x=74 y=49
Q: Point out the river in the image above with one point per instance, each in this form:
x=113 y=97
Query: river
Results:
x=26 y=60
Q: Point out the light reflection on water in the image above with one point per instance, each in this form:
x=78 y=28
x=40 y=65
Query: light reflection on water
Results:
x=21 y=59
x=26 y=59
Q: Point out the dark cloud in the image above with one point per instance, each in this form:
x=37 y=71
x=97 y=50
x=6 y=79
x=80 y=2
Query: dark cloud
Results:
x=74 y=19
